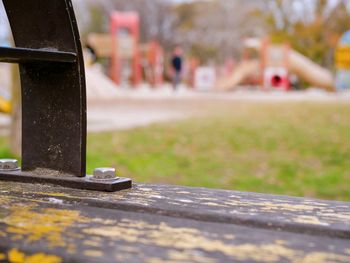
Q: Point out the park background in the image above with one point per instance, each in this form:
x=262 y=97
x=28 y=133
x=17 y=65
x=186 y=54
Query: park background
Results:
x=293 y=143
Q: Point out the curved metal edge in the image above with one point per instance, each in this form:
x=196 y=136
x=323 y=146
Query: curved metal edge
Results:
x=83 y=93
x=51 y=136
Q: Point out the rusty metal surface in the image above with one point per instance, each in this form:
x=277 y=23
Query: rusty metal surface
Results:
x=53 y=93
x=152 y=223
x=50 y=58
x=86 y=183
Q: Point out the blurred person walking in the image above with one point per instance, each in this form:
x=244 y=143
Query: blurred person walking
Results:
x=177 y=67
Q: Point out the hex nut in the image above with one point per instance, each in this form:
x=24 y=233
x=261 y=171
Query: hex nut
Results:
x=9 y=165
x=105 y=174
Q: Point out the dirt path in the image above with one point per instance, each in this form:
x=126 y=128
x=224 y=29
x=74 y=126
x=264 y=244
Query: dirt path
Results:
x=132 y=109
x=125 y=114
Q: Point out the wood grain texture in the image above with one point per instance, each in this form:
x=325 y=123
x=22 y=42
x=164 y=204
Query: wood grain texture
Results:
x=154 y=223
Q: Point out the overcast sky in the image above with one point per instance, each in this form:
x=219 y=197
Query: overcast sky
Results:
x=4 y=22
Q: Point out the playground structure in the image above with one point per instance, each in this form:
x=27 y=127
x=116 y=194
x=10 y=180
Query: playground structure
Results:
x=272 y=67
x=130 y=61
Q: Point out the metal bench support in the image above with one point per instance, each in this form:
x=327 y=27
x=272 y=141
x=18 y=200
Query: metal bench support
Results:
x=53 y=86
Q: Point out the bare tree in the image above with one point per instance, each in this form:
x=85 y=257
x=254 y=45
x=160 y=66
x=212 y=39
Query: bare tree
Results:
x=312 y=27
x=218 y=25
x=156 y=16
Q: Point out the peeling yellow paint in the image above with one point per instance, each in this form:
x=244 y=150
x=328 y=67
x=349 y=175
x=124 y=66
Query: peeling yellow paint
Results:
x=272 y=206
x=92 y=243
x=43 y=258
x=74 y=234
x=320 y=257
x=121 y=258
x=213 y=204
x=188 y=256
x=2 y=234
x=158 y=260
x=314 y=203
x=280 y=242
x=182 y=257
x=342 y=217
x=144 y=189
x=312 y=220
x=189 y=239
x=5 y=201
x=31 y=223
x=183 y=192
x=130 y=249
x=103 y=221
x=16 y=238
x=210 y=199
x=72 y=248
x=46 y=224
x=16 y=256
x=93 y=253
x=53 y=194
x=146 y=196
x=229 y=237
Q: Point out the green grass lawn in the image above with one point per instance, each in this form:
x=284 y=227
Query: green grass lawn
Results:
x=299 y=149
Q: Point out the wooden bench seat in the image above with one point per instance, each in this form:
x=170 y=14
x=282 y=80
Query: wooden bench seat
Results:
x=155 y=223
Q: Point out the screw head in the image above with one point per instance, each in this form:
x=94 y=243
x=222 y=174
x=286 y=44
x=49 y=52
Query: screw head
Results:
x=105 y=174
x=9 y=165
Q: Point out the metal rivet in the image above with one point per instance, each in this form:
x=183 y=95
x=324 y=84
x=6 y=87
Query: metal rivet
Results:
x=105 y=174
x=9 y=165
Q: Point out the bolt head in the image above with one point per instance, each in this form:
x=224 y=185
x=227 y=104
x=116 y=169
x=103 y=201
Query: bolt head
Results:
x=8 y=164
x=105 y=174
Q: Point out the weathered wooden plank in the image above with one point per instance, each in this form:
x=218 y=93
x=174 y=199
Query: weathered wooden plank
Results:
x=58 y=231
x=297 y=215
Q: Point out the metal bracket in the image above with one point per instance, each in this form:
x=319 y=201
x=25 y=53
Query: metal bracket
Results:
x=50 y=59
